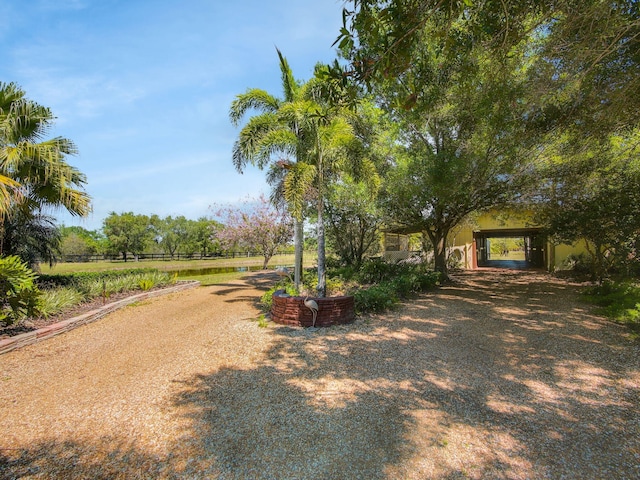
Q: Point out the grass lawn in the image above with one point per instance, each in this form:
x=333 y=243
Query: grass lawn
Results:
x=516 y=255
x=173 y=265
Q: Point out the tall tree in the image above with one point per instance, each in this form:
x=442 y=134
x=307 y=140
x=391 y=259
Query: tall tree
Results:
x=274 y=135
x=201 y=236
x=77 y=240
x=331 y=149
x=593 y=196
x=462 y=146
x=172 y=233
x=256 y=225
x=128 y=233
x=34 y=176
x=353 y=221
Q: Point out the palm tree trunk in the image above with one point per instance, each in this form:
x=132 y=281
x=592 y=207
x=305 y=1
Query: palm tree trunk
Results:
x=322 y=272
x=298 y=244
x=322 y=268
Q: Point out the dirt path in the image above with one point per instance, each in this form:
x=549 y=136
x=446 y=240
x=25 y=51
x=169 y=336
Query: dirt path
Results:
x=500 y=375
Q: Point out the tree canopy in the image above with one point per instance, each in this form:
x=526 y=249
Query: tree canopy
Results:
x=256 y=225
x=483 y=90
x=128 y=233
x=584 y=53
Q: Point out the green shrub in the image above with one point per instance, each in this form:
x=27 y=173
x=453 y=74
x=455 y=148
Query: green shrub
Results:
x=428 y=280
x=618 y=300
x=147 y=281
x=403 y=286
x=376 y=270
x=80 y=287
x=377 y=298
x=146 y=284
x=267 y=298
x=336 y=285
x=578 y=263
x=18 y=292
x=56 y=300
x=377 y=286
x=74 y=279
x=96 y=284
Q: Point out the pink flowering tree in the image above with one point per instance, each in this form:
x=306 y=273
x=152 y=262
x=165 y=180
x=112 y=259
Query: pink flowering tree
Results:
x=255 y=225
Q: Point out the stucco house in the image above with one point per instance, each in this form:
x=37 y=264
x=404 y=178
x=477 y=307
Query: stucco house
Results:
x=497 y=238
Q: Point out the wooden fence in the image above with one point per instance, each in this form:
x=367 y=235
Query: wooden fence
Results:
x=159 y=256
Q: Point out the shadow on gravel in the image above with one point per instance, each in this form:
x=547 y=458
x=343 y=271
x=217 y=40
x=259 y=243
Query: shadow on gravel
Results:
x=258 y=424
x=491 y=383
x=485 y=378
x=261 y=281
x=102 y=459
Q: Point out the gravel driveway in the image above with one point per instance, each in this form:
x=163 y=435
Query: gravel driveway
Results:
x=499 y=375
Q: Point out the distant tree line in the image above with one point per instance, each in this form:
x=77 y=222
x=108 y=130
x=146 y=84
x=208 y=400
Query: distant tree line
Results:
x=253 y=225
x=129 y=235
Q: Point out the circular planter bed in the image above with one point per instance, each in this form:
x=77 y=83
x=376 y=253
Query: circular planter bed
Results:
x=292 y=311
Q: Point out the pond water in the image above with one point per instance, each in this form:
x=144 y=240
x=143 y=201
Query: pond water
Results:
x=194 y=272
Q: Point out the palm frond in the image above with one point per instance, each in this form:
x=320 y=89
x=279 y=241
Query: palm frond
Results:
x=299 y=179
x=289 y=84
x=247 y=148
x=280 y=141
x=252 y=99
x=34 y=171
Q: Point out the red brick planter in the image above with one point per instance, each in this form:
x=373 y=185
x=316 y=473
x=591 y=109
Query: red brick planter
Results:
x=331 y=311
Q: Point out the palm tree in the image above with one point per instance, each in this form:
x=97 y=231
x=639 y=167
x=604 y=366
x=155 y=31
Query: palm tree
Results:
x=311 y=126
x=335 y=149
x=273 y=133
x=33 y=237
x=34 y=174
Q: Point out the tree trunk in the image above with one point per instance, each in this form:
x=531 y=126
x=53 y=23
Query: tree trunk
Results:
x=439 y=240
x=595 y=270
x=322 y=273
x=298 y=242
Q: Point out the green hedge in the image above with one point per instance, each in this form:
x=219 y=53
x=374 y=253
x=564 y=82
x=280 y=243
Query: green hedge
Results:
x=70 y=279
x=384 y=295
x=378 y=285
x=61 y=292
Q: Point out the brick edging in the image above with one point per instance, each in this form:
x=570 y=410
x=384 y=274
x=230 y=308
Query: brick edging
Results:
x=331 y=311
x=28 y=338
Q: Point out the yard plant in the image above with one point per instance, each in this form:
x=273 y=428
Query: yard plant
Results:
x=64 y=291
x=620 y=301
x=376 y=285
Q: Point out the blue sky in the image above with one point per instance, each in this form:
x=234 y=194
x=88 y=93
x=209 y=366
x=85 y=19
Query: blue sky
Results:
x=143 y=88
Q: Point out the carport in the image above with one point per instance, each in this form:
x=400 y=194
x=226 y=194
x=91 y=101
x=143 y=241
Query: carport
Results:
x=509 y=248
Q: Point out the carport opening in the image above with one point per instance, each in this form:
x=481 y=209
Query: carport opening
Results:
x=510 y=249
x=506 y=248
